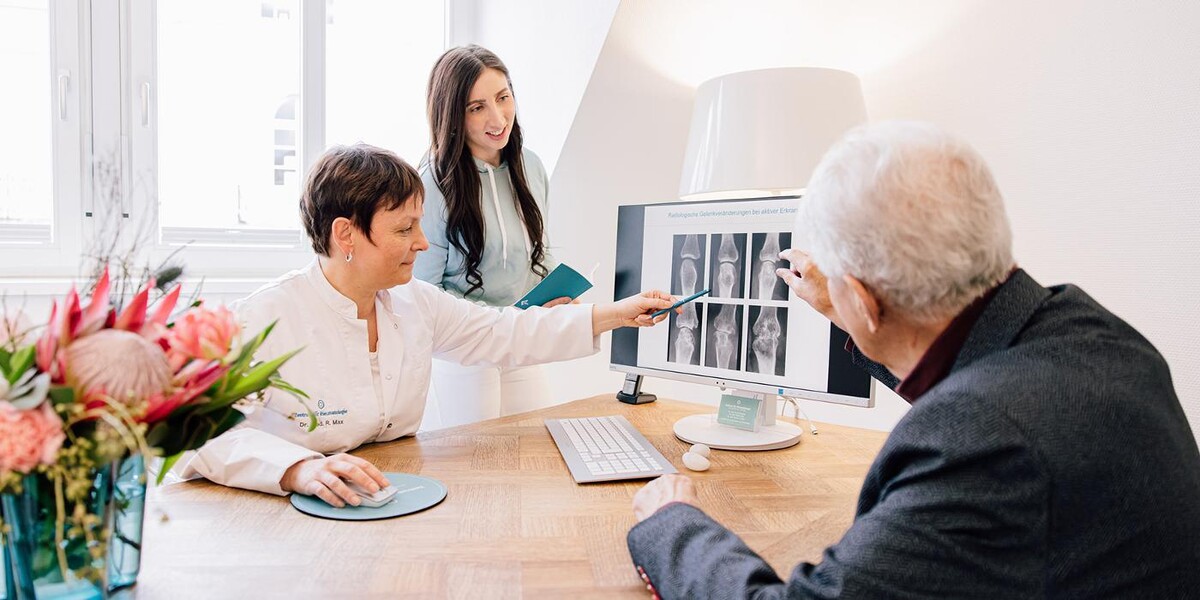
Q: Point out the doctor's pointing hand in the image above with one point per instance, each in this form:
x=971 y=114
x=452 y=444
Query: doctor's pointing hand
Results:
x=370 y=333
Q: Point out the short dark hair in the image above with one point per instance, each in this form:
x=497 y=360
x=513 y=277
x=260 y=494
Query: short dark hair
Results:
x=354 y=182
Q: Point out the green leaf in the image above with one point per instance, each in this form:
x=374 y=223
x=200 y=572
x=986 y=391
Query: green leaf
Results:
x=278 y=383
x=19 y=362
x=166 y=275
x=5 y=357
x=202 y=430
x=231 y=418
x=168 y=462
x=189 y=430
x=61 y=395
x=158 y=432
x=246 y=356
x=215 y=404
x=185 y=432
x=30 y=391
x=258 y=377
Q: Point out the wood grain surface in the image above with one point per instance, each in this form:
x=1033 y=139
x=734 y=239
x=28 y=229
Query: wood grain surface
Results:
x=513 y=525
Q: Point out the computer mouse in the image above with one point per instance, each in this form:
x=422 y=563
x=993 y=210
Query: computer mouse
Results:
x=370 y=500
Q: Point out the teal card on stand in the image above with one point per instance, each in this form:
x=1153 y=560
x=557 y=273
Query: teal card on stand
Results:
x=739 y=412
x=414 y=493
x=562 y=282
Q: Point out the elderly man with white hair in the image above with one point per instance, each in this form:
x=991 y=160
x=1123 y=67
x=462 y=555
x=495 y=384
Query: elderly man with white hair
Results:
x=1046 y=453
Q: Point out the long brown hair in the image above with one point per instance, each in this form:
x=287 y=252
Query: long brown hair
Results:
x=453 y=168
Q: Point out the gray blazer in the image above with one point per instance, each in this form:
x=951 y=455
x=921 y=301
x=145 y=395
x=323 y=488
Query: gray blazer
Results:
x=1054 y=461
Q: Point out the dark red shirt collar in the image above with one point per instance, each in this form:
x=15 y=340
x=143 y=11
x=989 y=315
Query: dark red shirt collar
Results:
x=935 y=365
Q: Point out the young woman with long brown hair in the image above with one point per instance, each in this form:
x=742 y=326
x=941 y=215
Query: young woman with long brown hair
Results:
x=485 y=216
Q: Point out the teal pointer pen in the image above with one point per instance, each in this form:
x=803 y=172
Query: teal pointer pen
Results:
x=678 y=304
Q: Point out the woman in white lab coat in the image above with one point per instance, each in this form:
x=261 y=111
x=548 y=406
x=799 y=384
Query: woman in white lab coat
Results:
x=369 y=335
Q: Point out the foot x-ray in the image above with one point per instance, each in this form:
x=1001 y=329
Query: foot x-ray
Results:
x=728 y=265
x=768 y=340
x=723 y=331
x=764 y=250
x=687 y=264
x=683 y=335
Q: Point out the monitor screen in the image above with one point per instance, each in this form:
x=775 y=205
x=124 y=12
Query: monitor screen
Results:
x=750 y=332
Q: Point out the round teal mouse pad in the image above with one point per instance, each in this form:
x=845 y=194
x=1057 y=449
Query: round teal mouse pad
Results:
x=414 y=493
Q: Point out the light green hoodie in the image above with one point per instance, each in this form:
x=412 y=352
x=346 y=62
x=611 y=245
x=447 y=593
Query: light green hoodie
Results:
x=505 y=266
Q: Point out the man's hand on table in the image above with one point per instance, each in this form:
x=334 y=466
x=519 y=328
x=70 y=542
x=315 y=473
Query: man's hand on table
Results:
x=661 y=492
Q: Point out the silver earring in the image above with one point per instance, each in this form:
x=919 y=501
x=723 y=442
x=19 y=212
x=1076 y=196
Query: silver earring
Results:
x=349 y=256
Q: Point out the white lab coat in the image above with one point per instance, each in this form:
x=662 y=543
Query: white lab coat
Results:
x=417 y=321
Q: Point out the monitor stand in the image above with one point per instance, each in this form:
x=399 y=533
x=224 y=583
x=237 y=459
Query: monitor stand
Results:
x=631 y=391
x=772 y=434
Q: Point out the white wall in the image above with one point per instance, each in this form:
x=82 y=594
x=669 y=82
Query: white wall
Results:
x=1089 y=114
x=549 y=47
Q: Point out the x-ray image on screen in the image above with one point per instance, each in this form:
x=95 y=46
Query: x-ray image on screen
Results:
x=764 y=253
x=683 y=337
x=752 y=334
x=728 y=265
x=767 y=348
x=687 y=264
x=723 y=331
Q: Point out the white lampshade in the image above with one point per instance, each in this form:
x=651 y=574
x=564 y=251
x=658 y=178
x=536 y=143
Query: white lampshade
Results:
x=761 y=133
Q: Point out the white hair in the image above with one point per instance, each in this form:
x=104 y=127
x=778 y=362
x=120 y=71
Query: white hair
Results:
x=913 y=213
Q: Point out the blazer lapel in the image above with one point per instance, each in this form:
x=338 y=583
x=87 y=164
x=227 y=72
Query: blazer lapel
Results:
x=1003 y=319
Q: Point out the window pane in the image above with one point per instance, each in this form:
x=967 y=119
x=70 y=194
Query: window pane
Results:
x=26 y=107
x=378 y=57
x=228 y=102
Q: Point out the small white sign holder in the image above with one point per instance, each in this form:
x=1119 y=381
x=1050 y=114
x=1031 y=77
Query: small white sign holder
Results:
x=773 y=434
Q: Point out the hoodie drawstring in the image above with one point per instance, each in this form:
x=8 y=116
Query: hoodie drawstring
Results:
x=499 y=215
x=500 y=218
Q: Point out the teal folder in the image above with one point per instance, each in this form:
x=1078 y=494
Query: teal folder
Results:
x=563 y=281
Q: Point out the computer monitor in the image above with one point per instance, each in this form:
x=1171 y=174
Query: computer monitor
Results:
x=750 y=334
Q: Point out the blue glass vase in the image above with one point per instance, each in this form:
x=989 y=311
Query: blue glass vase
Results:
x=32 y=567
x=125 y=535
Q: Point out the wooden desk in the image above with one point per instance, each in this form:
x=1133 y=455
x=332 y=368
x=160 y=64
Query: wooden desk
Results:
x=514 y=523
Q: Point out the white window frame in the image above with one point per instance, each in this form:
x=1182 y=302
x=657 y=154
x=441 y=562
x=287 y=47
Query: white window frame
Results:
x=104 y=69
x=69 y=82
x=216 y=251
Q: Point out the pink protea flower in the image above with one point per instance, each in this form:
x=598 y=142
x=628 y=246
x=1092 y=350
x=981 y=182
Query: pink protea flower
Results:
x=121 y=364
x=190 y=384
x=72 y=321
x=28 y=437
x=202 y=334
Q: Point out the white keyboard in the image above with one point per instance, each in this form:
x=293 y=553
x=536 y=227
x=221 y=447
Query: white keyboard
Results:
x=606 y=449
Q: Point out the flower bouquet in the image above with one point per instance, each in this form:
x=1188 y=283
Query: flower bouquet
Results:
x=99 y=391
